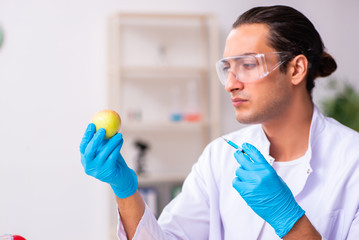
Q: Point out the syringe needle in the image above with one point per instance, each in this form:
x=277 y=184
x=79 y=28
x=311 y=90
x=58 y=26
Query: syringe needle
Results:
x=236 y=147
x=232 y=144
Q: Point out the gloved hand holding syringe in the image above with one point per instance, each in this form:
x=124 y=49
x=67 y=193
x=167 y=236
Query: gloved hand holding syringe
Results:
x=263 y=190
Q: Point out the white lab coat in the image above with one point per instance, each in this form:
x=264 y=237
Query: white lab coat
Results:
x=210 y=208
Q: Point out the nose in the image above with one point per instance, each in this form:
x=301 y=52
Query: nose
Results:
x=233 y=83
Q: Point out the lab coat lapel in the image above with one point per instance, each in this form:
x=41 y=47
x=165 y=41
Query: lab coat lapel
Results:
x=257 y=224
x=315 y=128
x=249 y=223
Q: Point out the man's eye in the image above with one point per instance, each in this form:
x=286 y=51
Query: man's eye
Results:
x=249 y=66
x=226 y=68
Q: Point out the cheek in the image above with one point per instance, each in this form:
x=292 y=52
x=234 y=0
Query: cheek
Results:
x=270 y=88
x=261 y=93
x=275 y=97
x=270 y=97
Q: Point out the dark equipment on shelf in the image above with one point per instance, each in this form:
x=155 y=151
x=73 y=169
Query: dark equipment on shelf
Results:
x=142 y=148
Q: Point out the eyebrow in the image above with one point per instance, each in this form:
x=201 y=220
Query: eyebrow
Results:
x=224 y=60
x=250 y=53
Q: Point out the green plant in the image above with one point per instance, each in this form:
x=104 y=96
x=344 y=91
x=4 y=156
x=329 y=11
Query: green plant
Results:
x=344 y=105
x=1 y=36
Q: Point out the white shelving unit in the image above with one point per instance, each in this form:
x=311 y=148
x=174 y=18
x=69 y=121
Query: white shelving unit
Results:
x=163 y=83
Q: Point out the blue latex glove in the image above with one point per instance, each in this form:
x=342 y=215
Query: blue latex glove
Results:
x=264 y=191
x=101 y=158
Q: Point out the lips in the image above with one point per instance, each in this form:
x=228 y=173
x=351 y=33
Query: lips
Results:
x=236 y=102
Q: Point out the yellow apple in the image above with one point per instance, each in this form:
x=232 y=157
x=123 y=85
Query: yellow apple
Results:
x=109 y=120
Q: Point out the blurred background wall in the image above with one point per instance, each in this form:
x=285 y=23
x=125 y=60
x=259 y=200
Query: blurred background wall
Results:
x=53 y=79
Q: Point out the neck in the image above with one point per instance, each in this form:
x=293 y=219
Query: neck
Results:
x=288 y=134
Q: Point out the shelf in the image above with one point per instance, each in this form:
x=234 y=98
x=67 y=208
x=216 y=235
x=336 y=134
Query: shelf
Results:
x=160 y=65
x=134 y=70
x=159 y=71
x=159 y=178
x=164 y=126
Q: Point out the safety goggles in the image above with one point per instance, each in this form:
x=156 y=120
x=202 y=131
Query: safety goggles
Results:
x=248 y=67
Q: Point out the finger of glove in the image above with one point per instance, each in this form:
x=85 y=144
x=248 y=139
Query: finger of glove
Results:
x=110 y=168
x=94 y=144
x=244 y=160
x=114 y=158
x=245 y=176
x=239 y=185
x=90 y=130
x=105 y=152
x=253 y=153
x=101 y=146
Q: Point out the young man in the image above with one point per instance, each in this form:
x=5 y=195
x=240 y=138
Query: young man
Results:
x=297 y=175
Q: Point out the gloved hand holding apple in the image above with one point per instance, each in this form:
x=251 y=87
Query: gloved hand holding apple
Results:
x=100 y=154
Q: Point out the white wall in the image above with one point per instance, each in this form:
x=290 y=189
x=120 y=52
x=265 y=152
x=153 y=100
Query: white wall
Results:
x=53 y=78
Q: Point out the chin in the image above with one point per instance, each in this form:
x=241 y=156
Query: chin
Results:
x=247 y=119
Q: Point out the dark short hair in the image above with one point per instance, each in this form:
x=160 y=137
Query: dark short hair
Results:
x=293 y=33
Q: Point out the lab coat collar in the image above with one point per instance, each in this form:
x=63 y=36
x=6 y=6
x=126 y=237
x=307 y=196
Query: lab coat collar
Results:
x=263 y=144
x=316 y=127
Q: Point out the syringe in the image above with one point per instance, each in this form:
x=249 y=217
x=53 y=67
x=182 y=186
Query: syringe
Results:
x=236 y=147
x=233 y=144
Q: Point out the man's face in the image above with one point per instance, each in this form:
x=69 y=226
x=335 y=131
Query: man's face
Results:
x=262 y=100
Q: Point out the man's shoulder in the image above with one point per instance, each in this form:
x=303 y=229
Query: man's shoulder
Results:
x=328 y=127
x=338 y=129
x=341 y=139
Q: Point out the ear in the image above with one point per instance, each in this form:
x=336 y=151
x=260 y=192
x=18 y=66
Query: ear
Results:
x=299 y=69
